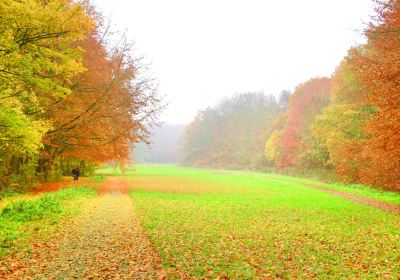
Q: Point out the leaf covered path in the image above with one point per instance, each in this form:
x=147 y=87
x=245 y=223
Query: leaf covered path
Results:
x=103 y=242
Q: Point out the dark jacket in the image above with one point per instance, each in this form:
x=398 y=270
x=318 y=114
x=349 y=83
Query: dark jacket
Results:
x=76 y=172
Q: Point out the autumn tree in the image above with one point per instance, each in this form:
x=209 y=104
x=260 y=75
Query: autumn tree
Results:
x=37 y=59
x=292 y=143
x=273 y=146
x=341 y=126
x=66 y=92
x=378 y=70
x=106 y=112
x=273 y=149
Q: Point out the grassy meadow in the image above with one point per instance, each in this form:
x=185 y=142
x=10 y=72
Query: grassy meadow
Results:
x=242 y=225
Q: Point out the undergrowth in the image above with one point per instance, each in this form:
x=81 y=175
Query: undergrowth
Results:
x=20 y=219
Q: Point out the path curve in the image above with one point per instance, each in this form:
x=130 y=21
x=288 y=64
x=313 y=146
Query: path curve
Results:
x=385 y=206
x=382 y=205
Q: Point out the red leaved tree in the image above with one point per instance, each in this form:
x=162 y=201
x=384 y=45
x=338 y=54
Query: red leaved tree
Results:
x=306 y=102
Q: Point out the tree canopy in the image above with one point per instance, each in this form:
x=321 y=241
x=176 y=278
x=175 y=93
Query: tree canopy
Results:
x=66 y=93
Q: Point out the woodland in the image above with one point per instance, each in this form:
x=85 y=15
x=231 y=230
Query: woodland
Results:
x=345 y=127
x=72 y=93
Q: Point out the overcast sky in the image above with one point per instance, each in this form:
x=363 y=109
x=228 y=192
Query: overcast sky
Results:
x=206 y=49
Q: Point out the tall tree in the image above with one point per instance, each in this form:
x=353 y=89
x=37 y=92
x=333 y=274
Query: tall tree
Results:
x=340 y=127
x=379 y=68
x=296 y=146
x=105 y=114
x=38 y=58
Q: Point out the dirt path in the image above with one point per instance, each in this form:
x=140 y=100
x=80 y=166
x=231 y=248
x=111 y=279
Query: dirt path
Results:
x=385 y=206
x=103 y=242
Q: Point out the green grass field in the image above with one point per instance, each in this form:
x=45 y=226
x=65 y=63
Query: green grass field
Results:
x=214 y=223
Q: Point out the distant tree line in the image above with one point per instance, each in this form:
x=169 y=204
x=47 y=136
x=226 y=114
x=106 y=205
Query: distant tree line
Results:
x=164 y=146
x=232 y=134
x=348 y=124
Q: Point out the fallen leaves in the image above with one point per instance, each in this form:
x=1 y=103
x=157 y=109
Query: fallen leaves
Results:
x=273 y=230
x=104 y=242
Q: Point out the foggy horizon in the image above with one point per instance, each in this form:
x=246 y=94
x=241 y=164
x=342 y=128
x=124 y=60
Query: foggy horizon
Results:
x=203 y=52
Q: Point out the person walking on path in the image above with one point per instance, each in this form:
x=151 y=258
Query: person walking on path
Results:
x=75 y=173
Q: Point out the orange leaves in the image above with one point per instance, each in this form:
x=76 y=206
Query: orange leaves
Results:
x=361 y=129
x=379 y=72
x=359 y=133
x=306 y=102
x=102 y=117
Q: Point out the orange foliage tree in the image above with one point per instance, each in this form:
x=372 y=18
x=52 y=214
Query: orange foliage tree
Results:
x=379 y=71
x=340 y=128
x=106 y=112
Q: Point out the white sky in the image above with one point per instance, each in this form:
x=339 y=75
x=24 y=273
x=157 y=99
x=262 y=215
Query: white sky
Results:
x=206 y=49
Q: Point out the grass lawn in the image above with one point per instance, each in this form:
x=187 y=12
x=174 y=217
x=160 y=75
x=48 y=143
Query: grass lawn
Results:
x=210 y=223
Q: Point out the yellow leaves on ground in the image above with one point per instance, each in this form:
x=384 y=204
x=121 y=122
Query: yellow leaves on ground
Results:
x=104 y=242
